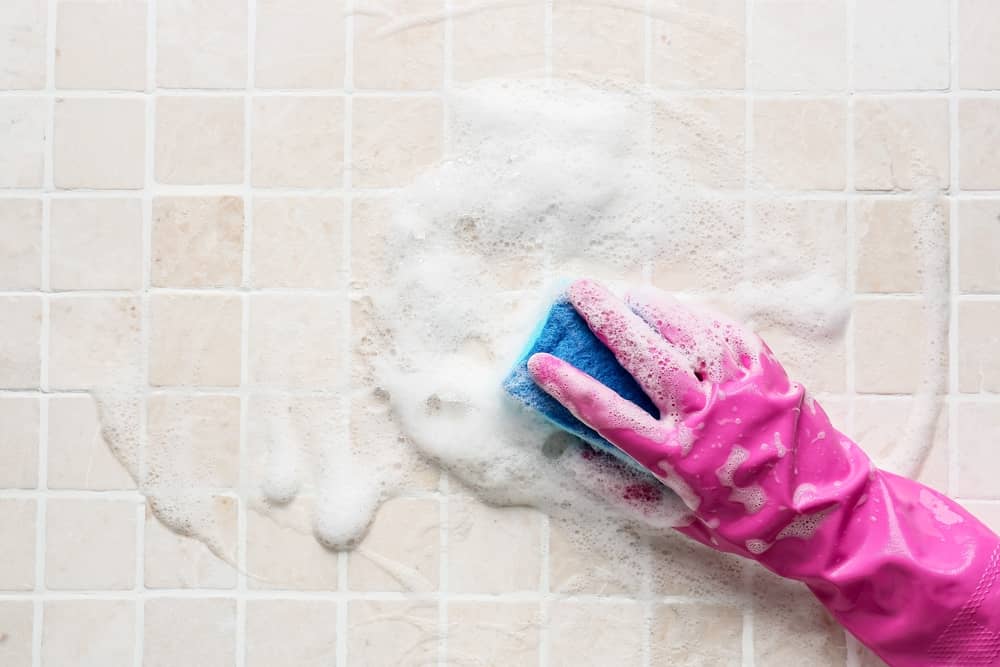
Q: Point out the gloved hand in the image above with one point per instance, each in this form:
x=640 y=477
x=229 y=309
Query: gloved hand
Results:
x=907 y=570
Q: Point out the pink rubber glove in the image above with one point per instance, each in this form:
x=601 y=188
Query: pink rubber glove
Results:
x=907 y=570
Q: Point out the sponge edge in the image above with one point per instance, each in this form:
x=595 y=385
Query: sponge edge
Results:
x=565 y=334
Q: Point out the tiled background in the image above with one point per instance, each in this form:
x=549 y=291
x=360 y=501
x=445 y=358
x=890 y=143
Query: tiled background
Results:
x=174 y=172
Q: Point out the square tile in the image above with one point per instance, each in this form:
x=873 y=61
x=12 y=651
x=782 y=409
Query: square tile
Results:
x=20 y=353
x=886 y=347
x=818 y=362
x=94 y=341
x=371 y=220
x=22 y=44
x=195 y=340
x=283 y=553
x=90 y=544
x=298 y=242
x=800 y=45
x=978 y=35
x=496 y=41
x=201 y=433
x=201 y=44
x=901 y=144
x=199 y=140
x=799 y=144
x=410 y=57
x=79 y=458
x=681 y=566
x=300 y=44
x=791 y=627
x=901 y=45
x=709 y=133
x=480 y=540
x=19 y=432
x=295 y=341
x=979 y=246
x=291 y=632
x=99 y=143
x=697 y=634
x=813 y=233
x=17 y=542
x=890 y=238
x=22 y=141
x=493 y=633
x=95 y=244
x=197 y=241
x=597 y=40
x=87 y=58
x=412 y=625
x=88 y=633
x=978 y=341
x=176 y=561
x=394 y=139
x=189 y=631
x=401 y=550
x=574 y=570
x=20 y=244
x=724 y=223
x=17 y=620
x=979 y=144
x=701 y=46
x=298 y=142
x=596 y=633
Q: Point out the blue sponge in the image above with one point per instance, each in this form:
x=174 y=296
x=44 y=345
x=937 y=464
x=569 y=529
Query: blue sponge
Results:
x=565 y=334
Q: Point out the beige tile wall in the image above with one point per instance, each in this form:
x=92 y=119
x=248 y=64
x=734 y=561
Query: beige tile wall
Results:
x=173 y=173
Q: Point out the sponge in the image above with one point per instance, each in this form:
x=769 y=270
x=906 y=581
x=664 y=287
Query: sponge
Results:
x=565 y=334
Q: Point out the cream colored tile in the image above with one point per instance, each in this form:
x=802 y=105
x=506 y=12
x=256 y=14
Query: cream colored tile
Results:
x=298 y=142
x=99 y=143
x=890 y=239
x=708 y=132
x=94 y=340
x=481 y=539
x=697 y=634
x=901 y=45
x=291 y=632
x=17 y=620
x=22 y=141
x=17 y=543
x=818 y=363
x=101 y=45
x=978 y=342
x=401 y=550
x=189 y=631
x=497 y=41
x=979 y=245
x=978 y=35
x=175 y=561
x=595 y=633
x=493 y=633
x=300 y=44
x=901 y=144
x=597 y=40
x=412 y=625
x=574 y=569
x=79 y=458
x=889 y=345
x=95 y=244
x=988 y=513
x=722 y=224
x=880 y=427
x=19 y=432
x=404 y=57
x=799 y=144
x=199 y=435
x=295 y=340
x=979 y=144
x=813 y=234
x=22 y=44
x=371 y=220
x=298 y=242
x=20 y=354
x=394 y=139
x=88 y=633
x=799 y=45
x=681 y=566
x=201 y=44
x=20 y=243
x=702 y=45
x=195 y=340
x=283 y=553
x=90 y=544
x=791 y=627
x=197 y=241
x=199 y=140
